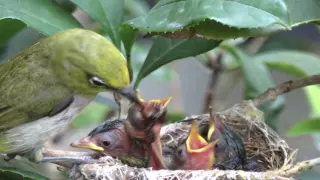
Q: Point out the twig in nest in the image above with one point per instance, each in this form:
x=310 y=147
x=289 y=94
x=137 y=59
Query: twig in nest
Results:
x=215 y=64
x=272 y=93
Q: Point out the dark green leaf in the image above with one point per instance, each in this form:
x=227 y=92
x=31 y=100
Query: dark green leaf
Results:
x=220 y=19
x=305 y=127
x=173 y=15
x=258 y=80
x=128 y=36
x=164 y=51
x=106 y=12
x=17 y=174
x=42 y=15
x=217 y=19
x=8 y=28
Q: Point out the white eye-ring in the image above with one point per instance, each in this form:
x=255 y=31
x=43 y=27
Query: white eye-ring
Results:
x=95 y=81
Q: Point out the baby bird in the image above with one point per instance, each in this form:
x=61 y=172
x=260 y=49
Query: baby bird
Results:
x=195 y=154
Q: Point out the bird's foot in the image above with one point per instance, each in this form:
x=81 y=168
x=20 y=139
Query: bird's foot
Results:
x=35 y=155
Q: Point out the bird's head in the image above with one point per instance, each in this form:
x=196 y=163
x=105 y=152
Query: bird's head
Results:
x=196 y=153
x=108 y=139
x=153 y=111
x=88 y=63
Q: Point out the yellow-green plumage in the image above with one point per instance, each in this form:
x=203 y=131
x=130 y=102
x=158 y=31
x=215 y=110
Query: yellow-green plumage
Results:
x=36 y=80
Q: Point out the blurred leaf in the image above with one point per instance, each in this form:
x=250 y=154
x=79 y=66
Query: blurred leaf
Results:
x=93 y=114
x=136 y=8
x=297 y=63
x=8 y=28
x=164 y=51
x=302 y=12
x=43 y=15
x=66 y=4
x=313 y=95
x=208 y=18
x=106 y=12
x=305 y=127
x=17 y=174
x=174 y=116
x=258 y=80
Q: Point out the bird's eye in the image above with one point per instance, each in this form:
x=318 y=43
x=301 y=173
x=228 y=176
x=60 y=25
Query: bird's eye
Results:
x=106 y=143
x=97 y=82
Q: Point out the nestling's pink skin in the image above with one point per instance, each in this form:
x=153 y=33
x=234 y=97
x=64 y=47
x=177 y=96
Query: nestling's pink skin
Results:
x=195 y=154
x=145 y=124
x=113 y=142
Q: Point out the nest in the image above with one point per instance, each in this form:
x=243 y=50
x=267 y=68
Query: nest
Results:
x=262 y=144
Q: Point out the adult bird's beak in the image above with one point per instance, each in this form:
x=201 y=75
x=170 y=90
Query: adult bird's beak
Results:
x=130 y=93
x=87 y=143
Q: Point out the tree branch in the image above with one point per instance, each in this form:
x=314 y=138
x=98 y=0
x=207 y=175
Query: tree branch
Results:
x=272 y=93
x=215 y=64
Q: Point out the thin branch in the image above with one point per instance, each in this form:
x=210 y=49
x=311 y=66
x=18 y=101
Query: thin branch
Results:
x=255 y=45
x=215 y=64
x=272 y=93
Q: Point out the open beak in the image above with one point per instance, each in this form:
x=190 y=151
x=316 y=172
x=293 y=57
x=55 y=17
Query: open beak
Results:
x=199 y=149
x=87 y=144
x=130 y=93
x=195 y=140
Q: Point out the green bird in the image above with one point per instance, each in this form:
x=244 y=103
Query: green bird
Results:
x=38 y=87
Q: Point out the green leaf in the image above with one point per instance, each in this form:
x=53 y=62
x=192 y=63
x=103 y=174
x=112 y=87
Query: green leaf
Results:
x=42 y=15
x=220 y=19
x=128 y=36
x=18 y=174
x=164 y=51
x=173 y=15
x=258 y=79
x=8 y=28
x=305 y=127
x=93 y=114
x=139 y=54
x=106 y=12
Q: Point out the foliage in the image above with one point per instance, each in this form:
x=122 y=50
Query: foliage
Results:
x=199 y=25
